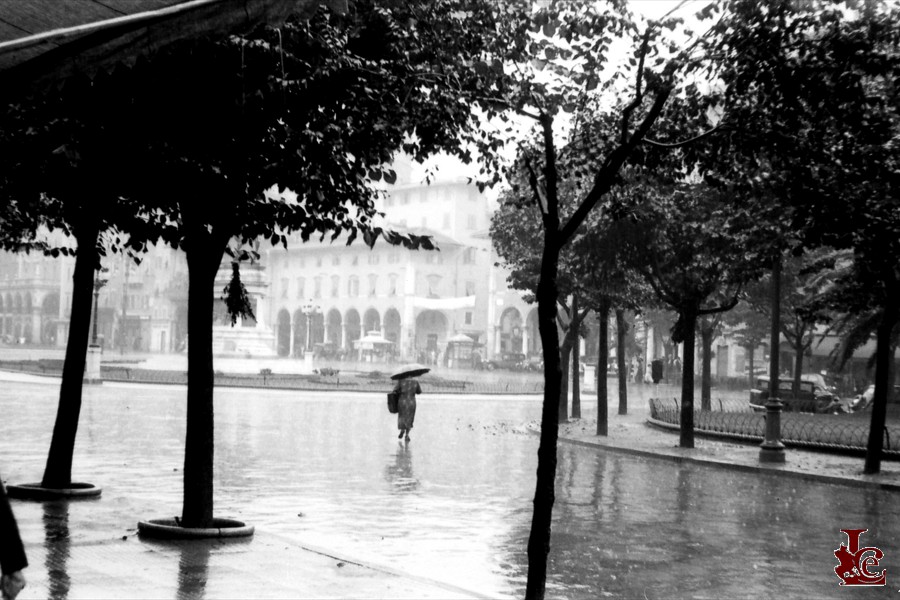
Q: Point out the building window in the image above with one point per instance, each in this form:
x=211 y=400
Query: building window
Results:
x=373 y=280
x=353 y=287
x=317 y=287
x=392 y=285
x=335 y=286
x=355 y=260
x=469 y=256
x=301 y=284
x=434 y=282
x=470 y=288
x=318 y=261
x=302 y=261
x=284 y=287
x=470 y=223
x=373 y=258
x=468 y=318
x=336 y=260
x=404 y=199
x=394 y=257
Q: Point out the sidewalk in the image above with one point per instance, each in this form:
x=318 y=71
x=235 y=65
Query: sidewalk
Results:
x=632 y=434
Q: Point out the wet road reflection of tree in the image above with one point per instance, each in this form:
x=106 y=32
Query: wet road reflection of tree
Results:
x=193 y=569
x=57 y=547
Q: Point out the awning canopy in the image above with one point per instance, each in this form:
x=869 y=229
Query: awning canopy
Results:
x=443 y=303
x=48 y=40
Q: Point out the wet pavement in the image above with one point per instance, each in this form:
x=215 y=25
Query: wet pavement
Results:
x=342 y=510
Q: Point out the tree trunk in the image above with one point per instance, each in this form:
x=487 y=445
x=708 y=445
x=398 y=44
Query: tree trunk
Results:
x=564 y=361
x=545 y=493
x=883 y=353
x=687 y=382
x=576 y=360
x=576 y=379
x=751 y=375
x=602 y=361
x=798 y=366
x=203 y=259
x=58 y=470
x=706 y=337
x=621 y=332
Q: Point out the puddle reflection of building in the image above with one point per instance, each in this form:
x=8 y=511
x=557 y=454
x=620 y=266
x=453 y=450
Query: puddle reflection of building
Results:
x=193 y=568
x=400 y=473
x=56 y=546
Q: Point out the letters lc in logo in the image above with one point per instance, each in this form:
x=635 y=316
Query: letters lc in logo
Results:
x=856 y=563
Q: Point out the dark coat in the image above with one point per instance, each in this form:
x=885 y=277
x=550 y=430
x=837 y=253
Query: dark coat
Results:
x=406 y=415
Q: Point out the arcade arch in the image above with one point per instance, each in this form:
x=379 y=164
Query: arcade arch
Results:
x=511 y=330
x=299 y=332
x=49 y=318
x=431 y=335
x=392 y=326
x=371 y=321
x=283 y=333
x=333 y=328
x=352 y=328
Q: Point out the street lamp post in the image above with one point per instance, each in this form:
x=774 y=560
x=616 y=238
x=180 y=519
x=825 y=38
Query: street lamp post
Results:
x=92 y=365
x=98 y=285
x=308 y=309
x=772 y=448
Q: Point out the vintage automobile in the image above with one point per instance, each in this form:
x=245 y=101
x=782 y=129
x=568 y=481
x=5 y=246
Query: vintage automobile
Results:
x=512 y=361
x=814 y=395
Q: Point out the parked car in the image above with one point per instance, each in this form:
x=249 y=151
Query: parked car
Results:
x=507 y=360
x=814 y=395
x=533 y=363
x=328 y=351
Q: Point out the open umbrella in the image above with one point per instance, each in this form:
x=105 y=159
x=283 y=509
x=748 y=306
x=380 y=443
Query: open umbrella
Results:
x=410 y=370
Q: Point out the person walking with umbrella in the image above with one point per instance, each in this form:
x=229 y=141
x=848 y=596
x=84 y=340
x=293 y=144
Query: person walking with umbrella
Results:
x=406 y=388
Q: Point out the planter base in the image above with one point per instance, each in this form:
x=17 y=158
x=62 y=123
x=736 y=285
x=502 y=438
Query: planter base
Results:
x=35 y=491
x=170 y=529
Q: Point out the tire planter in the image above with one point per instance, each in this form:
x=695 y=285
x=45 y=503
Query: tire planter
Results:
x=35 y=491
x=170 y=529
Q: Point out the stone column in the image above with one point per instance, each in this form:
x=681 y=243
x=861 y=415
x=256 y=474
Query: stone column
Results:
x=35 y=324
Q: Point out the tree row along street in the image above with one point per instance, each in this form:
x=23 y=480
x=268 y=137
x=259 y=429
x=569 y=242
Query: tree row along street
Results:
x=672 y=163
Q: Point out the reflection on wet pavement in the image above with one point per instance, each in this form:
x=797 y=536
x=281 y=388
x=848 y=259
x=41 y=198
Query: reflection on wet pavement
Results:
x=56 y=545
x=326 y=471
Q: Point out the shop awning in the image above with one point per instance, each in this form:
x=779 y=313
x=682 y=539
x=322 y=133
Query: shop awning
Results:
x=444 y=303
x=47 y=40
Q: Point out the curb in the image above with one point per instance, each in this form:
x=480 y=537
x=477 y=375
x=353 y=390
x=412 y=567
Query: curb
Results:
x=775 y=470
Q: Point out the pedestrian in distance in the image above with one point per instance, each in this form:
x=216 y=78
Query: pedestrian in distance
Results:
x=407 y=388
x=12 y=552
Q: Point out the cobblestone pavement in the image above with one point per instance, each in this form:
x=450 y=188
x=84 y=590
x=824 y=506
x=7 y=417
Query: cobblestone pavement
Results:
x=343 y=511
